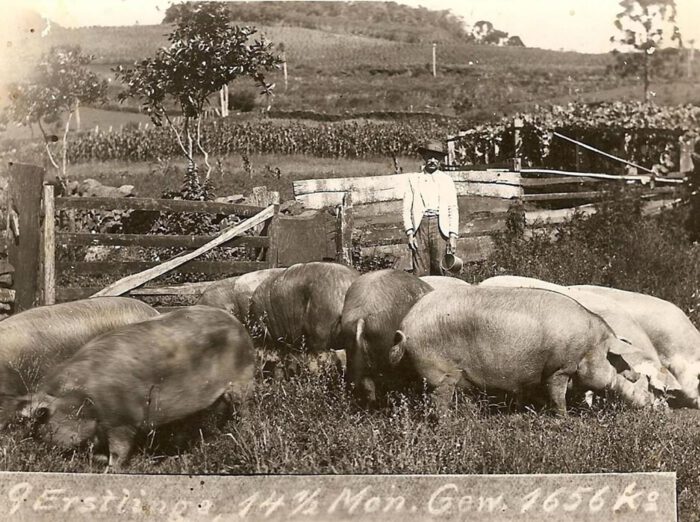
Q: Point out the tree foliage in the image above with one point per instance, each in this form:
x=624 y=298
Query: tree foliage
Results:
x=59 y=84
x=643 y=28
x=205 y=53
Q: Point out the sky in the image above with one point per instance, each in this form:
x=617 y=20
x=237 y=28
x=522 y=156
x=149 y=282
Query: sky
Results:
x=577 y=25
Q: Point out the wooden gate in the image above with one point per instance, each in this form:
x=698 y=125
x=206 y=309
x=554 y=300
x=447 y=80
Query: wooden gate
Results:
x=37 y=234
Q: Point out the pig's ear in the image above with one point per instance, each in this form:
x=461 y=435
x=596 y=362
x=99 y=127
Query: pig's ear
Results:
x=359 y=332
x=397 y=351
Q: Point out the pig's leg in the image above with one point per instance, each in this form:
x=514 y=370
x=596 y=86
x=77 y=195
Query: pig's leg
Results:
x=596 y=373
x=442 y=396
x=121 y=441
x=557 y=384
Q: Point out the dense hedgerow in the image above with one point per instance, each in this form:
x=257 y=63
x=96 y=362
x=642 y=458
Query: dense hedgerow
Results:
x=615 y=247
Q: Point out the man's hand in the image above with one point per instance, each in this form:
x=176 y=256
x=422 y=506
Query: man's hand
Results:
x=412 y=243
x=452 y=244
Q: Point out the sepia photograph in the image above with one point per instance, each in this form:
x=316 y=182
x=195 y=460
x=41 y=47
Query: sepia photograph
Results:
x=350 y=260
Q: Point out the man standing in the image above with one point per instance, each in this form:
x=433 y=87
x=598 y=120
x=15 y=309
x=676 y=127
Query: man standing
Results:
x=430 y=212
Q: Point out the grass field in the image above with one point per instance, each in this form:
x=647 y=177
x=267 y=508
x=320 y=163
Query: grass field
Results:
x=151 y=179
x=345 y=72
x=317 y=428
x=311 y=425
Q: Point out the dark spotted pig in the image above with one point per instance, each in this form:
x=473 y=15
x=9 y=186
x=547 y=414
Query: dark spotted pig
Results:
x=145 y=375
x=527 y=342
x=33 y=342
x=303 y=303
x=374 y=306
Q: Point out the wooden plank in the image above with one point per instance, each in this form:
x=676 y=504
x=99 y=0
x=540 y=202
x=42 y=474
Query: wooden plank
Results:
x=167 y=309
x=653 y=208
x=183 y=289
x=24 y=193
x=548 y=182
x=49 y=247
x=272 y=255
x=82 y=239
x=7 y=295
x=310 y=236
x=65 y=294
x=135 y=267
x=186 y=289
x=362 y=196
x=156 y=205
x=391 y=211
x=346 y=224
x=559 y=216
x=563 y=196
x=469 y=249
x=556 y=216
x=132 y=281
x=643 y=178
x=393 y=232
x=373 y=183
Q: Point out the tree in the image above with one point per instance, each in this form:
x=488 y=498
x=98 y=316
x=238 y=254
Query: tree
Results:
x=59 y=84
x=643 y=26
x=205 y=53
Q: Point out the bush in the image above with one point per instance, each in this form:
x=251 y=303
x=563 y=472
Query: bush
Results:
x=615 y=247
x=243 y=100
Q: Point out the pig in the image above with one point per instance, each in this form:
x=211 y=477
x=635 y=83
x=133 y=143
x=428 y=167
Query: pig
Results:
x=374 y=306
x=141 y=376
x=233 y=294
x=675 y=338
x=638 y=355
x=36 y=340
x=442 y=281
x=303 y=303
x=518 y=341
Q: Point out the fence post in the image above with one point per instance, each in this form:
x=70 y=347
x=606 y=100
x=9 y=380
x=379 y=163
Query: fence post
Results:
x=451 y=150
x=344 y=231
x=517 y=144
x=685 y=162
x=24 y=193
x=49 y=246
x=272 y=231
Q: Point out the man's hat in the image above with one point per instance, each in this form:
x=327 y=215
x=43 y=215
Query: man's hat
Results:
x=433 y=147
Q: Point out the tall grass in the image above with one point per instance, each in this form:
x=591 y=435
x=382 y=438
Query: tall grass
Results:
x=615 y=247
x=311 y=425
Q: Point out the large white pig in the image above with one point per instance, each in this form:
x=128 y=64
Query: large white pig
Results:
x=675 y=338
x=522 y=341
x=639 y=353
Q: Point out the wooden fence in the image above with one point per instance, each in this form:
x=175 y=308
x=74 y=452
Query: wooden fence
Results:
x=484 y=196
x=33 y=249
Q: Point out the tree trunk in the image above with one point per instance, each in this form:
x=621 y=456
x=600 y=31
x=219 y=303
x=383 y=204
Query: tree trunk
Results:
x=646 y=77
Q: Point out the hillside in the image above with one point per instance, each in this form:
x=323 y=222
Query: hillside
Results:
x=331 y=72
x=334 y=67
x=387 y=20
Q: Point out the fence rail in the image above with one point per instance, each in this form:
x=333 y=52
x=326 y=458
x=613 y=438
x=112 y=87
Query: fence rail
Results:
x=165 y=241
x=261 y=246
x=156 y=205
